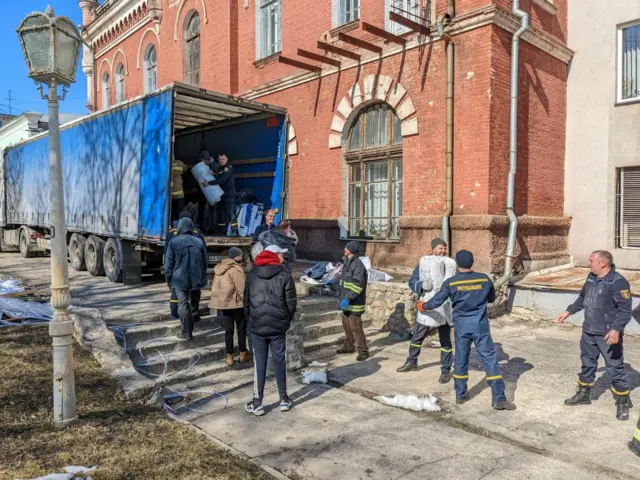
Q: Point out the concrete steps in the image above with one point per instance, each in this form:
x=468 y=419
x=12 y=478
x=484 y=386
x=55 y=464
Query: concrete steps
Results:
x=160 y=356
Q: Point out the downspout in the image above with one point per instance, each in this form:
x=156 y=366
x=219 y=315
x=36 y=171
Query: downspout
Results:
x=513 y=146
x=445 y=225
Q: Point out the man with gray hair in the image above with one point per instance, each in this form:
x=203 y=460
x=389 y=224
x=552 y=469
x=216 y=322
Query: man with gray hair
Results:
x=606 y=301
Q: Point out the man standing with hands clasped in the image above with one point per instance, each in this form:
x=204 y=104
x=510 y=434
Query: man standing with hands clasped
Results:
x=606 y=301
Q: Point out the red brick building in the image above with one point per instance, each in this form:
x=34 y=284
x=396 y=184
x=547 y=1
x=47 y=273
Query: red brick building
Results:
x=368 y=137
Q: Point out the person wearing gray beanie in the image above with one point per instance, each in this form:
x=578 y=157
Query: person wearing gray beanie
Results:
x=353 y=247
x=234 y=253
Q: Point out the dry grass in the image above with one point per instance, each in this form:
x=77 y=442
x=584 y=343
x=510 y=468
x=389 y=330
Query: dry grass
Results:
x=125 y=440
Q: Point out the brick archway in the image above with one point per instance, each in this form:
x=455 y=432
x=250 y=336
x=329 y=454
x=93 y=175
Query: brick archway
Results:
x=374 y=87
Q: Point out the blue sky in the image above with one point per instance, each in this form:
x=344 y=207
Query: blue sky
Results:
x=14 y=77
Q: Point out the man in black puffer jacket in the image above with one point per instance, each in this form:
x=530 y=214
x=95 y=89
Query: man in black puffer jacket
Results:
x=269 y=307
x=186 y=271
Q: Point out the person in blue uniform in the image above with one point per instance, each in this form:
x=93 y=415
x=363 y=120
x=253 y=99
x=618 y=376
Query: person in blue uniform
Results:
x=470 y=292
x=606 y=301
x=195 y=294
x=225 y=177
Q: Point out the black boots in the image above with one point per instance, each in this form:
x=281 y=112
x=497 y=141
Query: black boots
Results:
x=623 y=404
x=582 y=397
x=445 y=377
x=504 y=405
x=407 y=367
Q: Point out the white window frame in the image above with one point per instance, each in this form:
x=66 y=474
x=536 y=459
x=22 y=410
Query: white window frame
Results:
x=106 y=91
x=622 y=240
x=264 y=47
x=619 y=64
x=344 y=12
x=120 y=92
x=414 y=7
x=150 y=70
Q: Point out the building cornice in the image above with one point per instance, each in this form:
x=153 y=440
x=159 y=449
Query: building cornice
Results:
x=116 y=12
x=468 y=21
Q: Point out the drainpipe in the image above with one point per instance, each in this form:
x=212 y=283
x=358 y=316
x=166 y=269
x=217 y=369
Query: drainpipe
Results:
x=446 y=229
x=513 y=146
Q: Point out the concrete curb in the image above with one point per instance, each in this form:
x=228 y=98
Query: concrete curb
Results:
x=258 y=463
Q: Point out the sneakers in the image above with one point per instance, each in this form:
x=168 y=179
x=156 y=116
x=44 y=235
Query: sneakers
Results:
x=286 y=404
x=582 y=397
x=504 y=405
x=407 y=367
x=445 y=377
x=254 y=407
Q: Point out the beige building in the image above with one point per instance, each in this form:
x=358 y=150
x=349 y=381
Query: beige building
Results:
x=602 y=175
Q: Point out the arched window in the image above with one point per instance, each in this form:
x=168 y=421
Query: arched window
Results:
x=150 y=69
x=106 y=91
x=192 y=50
x=374 y=158
x=120 y=84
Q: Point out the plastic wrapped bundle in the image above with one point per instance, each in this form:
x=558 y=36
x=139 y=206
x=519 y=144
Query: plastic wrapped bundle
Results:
x=201 y=172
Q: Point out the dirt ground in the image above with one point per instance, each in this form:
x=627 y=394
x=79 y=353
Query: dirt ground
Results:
x=124 y=440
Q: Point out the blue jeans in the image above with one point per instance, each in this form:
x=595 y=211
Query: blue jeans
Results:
x=488 y=356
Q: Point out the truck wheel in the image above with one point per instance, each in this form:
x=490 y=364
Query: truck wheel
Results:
x=77 y=245
x=24 y=245
x=93 y=256
x=113 y=260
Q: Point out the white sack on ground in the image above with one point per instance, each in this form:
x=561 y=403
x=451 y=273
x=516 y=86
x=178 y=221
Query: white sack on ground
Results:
x=411 y=402
x=16 y=308
x=378 y=276
x=78 y=469
x=10 y=286
x=202 y=172
x=314 y=377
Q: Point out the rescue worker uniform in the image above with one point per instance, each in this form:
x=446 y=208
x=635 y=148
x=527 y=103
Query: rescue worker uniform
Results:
x=177 y=190
x=606 y=303
x=225 y=177
x=352 y=300
x=195 y=294
x=470 y=292
x=426 y=280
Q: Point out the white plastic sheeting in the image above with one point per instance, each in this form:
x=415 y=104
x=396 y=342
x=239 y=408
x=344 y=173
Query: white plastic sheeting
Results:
x=316 y=372
x=373 y=274
x=411 y=402
x=32 y=312
x=202 y=172
x=71 y=472
x=10 y=286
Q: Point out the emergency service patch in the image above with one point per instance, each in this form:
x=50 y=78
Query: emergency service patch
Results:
x=226 y=169
x=625 y=294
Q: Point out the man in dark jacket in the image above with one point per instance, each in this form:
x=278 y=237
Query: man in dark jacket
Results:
x=470 y=292
x=195 y=294
x=269 y=306
x=606 y=301
x=185 y=271
x=227 y=206
x=353 y=297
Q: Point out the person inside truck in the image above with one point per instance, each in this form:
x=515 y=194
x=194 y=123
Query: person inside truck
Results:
x=225 y=177
x=188 y=212
x=269 y=223
x=205 y=211
x=177 y=189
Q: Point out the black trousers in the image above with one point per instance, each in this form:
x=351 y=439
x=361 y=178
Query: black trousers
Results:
x=446 y=348
x=177 y=205
x=261 y=346
x=173 y=303
x=186 y=310
x=591 y=347
x=234 y=317
x=226 y=212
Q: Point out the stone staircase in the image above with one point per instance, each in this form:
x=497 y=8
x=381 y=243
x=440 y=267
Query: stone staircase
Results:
x=160 y=356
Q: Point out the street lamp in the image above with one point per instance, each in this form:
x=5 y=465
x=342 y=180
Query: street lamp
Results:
x=51 y=46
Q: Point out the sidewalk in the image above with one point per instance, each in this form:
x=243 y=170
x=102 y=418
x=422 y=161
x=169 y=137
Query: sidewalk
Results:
x=338 y=432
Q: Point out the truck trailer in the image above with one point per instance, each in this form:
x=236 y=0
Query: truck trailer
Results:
x=117 y=171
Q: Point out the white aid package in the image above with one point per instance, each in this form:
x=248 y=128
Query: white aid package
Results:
x=201 y=172
x=411 y=402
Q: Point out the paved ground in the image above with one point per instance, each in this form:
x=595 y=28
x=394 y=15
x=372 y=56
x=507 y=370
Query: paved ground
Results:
x=339 y=432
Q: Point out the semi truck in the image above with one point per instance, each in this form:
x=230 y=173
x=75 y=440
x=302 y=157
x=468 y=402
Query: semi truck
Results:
x=117 y=173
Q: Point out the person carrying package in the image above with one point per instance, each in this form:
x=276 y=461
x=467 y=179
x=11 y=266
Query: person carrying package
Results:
x=470 y=292
x=270 y=303
x=195 y=294
x=204 y=209
x=278 y=236
x=225 y=177
x=269 y=223
x=186 y=271
x=352 y=300
x=606 y=301
x=426 y=280
x=227 y=294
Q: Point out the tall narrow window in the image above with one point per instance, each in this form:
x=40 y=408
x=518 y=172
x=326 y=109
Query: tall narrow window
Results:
x=407 y=8
x=374 y=158
x=629 y=63
x=150 y=69
x=628 y=231
x=348 y=11
x=268 y=28
x=120 y=84
x=106 y=91
x=192 y=50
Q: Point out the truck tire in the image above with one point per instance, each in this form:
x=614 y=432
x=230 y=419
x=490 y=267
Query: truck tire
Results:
x=24 y=245
x=77 y=245
x=113 y=260
x=93 y=256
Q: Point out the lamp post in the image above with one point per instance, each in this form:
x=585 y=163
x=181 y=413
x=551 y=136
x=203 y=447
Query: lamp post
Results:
x=51 y=46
